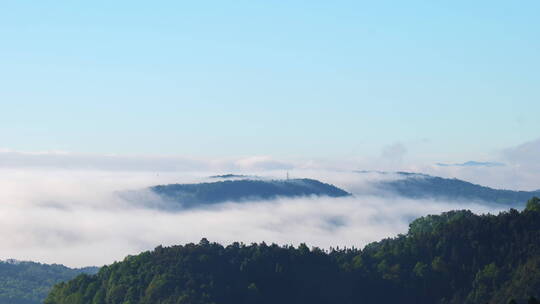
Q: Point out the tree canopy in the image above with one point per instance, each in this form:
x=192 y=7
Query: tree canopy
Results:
x=30 y=282
x=455 y=257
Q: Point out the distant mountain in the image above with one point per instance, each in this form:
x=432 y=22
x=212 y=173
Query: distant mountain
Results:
x=453 y=258
x=229 y=176
x=414 y=185
x=29 y=282
x=473 y=164
x=190 y=195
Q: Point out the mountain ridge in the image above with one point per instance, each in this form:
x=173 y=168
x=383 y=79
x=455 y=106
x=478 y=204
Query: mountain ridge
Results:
x=423 y=186
x=209 y=193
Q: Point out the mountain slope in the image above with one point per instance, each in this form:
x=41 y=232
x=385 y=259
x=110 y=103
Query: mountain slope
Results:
x=455 y=257
x=29 y=282
x=417 y=186
x=189 y=195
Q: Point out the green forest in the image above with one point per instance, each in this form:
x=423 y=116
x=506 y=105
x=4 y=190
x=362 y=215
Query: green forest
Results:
x=455 y=257
x=418 y=186
x=30 y=282
x=196 y=195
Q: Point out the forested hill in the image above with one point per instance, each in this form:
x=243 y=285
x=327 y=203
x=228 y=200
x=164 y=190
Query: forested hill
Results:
x=189 y=195
x=29 y=282
x=456 y=257
x=413 y=185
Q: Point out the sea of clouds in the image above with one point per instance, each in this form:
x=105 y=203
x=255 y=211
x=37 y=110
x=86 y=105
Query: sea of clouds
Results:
x=68 y=208
x=80 y=218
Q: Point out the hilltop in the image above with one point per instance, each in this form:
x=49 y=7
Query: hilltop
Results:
x=191 y=195
x=423 y=186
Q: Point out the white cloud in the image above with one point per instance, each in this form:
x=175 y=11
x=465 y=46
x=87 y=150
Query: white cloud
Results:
x=263 y=163
x=64 y=208
x=77 y=218
x=394 y=152
x=521 y=170
x=526 y=154
x=154 y=163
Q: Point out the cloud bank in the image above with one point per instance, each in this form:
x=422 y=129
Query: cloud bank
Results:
x=516 y=168
x=58 y=207
x=77 y=217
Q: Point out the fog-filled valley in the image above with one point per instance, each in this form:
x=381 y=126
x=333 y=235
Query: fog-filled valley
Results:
x=79 y=218
x=82 y=218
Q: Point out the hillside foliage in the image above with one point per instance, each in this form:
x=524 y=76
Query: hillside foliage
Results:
x=421 y=186
x=456 y=257
x=193 y=195
x=29 y=282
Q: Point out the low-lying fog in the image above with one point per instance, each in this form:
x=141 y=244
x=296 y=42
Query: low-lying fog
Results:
x=78 y=218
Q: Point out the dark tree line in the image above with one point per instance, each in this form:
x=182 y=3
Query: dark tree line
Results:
x=193 y=195
x=425 y=186
x=455 y=257
x=29 y=282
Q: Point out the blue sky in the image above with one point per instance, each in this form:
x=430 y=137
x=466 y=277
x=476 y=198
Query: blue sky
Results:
x=451 y=81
